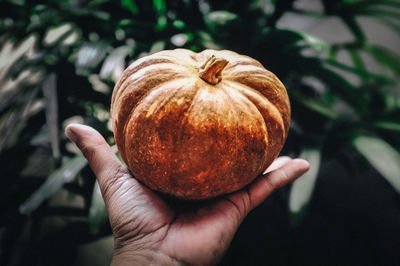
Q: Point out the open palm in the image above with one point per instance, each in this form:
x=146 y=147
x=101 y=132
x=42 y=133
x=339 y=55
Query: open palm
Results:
x=149 y=229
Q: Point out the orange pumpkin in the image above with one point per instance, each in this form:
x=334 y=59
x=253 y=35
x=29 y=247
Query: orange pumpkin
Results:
x=198 y=125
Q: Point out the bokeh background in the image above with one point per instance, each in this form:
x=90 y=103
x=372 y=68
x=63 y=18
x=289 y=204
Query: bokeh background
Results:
x=339 y=60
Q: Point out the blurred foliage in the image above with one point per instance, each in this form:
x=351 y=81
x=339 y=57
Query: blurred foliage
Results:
x=59 y=61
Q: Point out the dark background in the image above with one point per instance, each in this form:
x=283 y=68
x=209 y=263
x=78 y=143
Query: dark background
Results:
x=338 y=59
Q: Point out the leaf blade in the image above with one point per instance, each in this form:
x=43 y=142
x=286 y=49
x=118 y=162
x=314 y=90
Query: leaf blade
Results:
x=98 y=216
x=382 y=156
x=53 y=183
x=302 y=189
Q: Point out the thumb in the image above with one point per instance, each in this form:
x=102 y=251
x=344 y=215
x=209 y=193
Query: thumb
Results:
x=101 y=158
x=266 y=184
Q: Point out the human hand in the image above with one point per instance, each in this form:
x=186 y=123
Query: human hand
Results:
x=149 y=229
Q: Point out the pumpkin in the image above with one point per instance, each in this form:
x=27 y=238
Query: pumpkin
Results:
x=198 y=125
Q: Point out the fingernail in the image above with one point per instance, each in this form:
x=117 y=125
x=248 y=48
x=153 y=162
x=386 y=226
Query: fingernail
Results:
x=72 y=131
x=283 y=159
x=303 y=165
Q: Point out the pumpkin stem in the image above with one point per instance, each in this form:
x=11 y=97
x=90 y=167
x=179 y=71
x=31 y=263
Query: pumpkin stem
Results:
x=212 y=68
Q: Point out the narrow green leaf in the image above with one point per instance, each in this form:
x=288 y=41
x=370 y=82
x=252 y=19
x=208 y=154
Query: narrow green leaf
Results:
x=354 y=27
x=302 y=189
x=220 y=17
x=161 y=23
x=89 y=56
x=388 y=125
x=131 y=5
x=157 y=46
x=389 y=23
x=11 y=53
x=314 y=42
x=392 y=3
x=54 y=182
x=181 y=39
x=340 y=86
x=179 y=24
x=13 y=121
x=114 y=64
x=40 y=163
x=98 y=216
x=216 y=20
x=207 y=41
x=332 y=55
x=60 y=32
x=317 y=107
x=382 y=156
x=356 y=58
x=385 y=57
x=394 y=14
x=359 y=71
x=49 y=89
x=159 y=6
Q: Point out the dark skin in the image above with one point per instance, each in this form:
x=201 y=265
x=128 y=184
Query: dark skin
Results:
x=149 y=229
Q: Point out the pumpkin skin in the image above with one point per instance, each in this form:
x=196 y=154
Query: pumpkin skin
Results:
x=198 y=125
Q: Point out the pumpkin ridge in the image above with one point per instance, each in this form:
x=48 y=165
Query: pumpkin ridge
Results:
x=132 y=69
x=139 y=87
x=271 y=88
x=142 y=77
x=166 y=98
x=236 y=74
x=138 y=123
x=272 y=118
x=234 y=64
x=249 y=102
x=126 y=104
x=140 y=101
x=192 y=102
x=265 y=98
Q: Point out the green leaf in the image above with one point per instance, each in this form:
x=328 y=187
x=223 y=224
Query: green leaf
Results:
x=217 y=20
x=207 y=41
x=161 y=23
x=388 y=125
x=382 y=156
x=49 y=88
x=157 y=47
x=341 y=87
x=385 y=57
x=354 y=27
x=393 y=3
x=89 y=56
x=302 y=189
x=390 y=24
x=314 y=42
x=317 y=107
x=60 y=32
x=179 y=24
x=159 y=6
x=41 y=162
x=53 y=183
x=181 y=39
x=131 y=5
x=220 y=17
x=359 y=71
x=114 y=64
x=14 y=121
x=356 y=58
x=381 y=12
x=98 y=216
